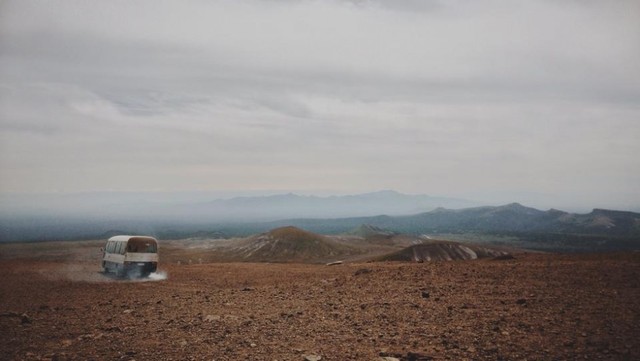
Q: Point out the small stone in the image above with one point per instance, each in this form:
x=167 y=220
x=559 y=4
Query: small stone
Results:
x=113 y=329
x=362 y=271
x=418 y=357
x=521 y=301
x=212 y=318
x=426 y=294
x=253 y=345
x=24 y=318
x=66 y=343
x=312 y=358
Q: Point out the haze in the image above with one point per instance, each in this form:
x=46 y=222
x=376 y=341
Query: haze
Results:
x=535 y=102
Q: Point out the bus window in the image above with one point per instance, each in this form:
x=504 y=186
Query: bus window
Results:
x=142 y=246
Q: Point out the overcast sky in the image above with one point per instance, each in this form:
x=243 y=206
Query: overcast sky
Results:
x=530 y=101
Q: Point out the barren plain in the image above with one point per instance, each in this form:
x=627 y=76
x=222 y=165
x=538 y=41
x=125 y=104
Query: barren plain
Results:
x=56 y=305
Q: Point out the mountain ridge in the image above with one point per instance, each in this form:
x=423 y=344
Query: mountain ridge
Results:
x=509 y=217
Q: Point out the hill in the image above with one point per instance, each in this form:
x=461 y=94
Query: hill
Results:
x=288 y=244
x=443 y=251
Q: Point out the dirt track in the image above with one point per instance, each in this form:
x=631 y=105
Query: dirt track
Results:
x=536 y=307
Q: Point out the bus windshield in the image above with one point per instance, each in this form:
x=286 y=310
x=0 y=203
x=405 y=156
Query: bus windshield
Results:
x=142 y=246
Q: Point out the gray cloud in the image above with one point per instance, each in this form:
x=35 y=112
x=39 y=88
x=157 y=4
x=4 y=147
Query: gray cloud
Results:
x=474 y=98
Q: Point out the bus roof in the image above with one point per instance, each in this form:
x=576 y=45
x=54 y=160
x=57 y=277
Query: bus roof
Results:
x=127 y=238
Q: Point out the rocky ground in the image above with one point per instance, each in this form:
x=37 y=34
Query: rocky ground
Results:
x=55 y=305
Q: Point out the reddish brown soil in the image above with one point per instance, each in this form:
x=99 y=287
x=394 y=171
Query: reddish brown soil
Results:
x=535 y=307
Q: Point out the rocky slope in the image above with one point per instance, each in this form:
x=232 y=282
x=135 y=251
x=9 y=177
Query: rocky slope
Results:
x=442 y=251
x=534 y=307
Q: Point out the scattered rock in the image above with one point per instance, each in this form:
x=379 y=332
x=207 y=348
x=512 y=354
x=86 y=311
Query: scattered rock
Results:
x=334 y=263
x=413 y=356
x=425 y=294
x=312 y=358
x=87 y=336
x=67 y=343
x=521 y=301
x=291 y=314
x=9 y=314
x=363 y=271
x=246 y=289
x=112 y=329
x=212 y=318
x=24 y=318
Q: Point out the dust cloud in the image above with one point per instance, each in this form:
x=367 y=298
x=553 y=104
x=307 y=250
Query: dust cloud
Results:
x=92 y=274
x=156 y=276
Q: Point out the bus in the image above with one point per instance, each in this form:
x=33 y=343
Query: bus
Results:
x=130 y=256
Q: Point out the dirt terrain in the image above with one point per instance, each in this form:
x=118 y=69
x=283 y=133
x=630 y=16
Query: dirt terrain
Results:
x=55 y=305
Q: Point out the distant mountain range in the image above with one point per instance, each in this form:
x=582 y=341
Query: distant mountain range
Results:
x=512 y=217
x=386 y=211
x=290 y=205
x=189 y=208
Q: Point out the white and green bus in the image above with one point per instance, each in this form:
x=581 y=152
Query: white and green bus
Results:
x=130 y=256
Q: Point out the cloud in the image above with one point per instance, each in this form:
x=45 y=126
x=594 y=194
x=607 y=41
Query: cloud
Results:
x=435 y=97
